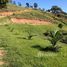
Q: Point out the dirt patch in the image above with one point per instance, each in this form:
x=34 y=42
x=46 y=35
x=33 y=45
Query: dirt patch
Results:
x=2 y=63
x=30 y=21
x=2 y=52
x=6 y=13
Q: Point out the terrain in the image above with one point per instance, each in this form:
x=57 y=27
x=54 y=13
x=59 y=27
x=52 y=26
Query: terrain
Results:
x=17 y=51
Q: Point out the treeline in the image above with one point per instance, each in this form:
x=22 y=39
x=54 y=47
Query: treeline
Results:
x=3 y=3
x=54 y=9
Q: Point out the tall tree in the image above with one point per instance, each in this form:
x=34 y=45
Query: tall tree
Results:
x=56 y=9
x=19 y=4
x=27 y=5
x=3 y=3
x=35 y=5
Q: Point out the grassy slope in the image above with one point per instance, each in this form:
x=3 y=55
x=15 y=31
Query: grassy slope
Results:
x=12 y=7
x=34 y=14
x=21 y=53
x=41 y=15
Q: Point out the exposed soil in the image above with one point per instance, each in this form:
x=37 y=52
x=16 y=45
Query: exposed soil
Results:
x=24 y=21
x=2 y=54
x=2 y=63
x=30 y=21
x=6 y=13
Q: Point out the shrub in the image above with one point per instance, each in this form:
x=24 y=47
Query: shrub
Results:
x=64 y=40
x=3 y=42
x=60 y=25
x=30 y=32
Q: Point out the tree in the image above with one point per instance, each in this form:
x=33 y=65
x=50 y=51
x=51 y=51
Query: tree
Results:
x=35 y=5
x=39 y=8
x=43 y=9
x=10 y=1
x=27 y=5
x=56 y=9
x=19 y=4
x=31 y=6
x=48 y=10
x=3 y=3
x=54 y=37
x=14 y=2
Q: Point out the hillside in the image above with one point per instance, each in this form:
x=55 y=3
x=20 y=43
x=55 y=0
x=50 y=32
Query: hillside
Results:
x=12 y=7
x=14 y=11
x=32 y=38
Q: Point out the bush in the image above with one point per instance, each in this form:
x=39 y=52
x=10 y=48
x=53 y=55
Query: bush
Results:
x=64 y=40
x=3 y=42
x=64 y=32
x=60 y=25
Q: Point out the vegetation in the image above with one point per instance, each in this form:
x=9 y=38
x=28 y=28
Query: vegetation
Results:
x=56 y=9
x=35 y=5
x=23 y=53
x=60 y=26
x=3 y=3
x=19 y=4
x=26 y=46
x=54 y=37
x=27 y=5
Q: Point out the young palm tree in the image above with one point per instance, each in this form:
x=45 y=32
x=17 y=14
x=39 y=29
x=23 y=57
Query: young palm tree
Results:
x=54 y=37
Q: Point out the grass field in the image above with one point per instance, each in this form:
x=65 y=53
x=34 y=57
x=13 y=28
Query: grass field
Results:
x=29 y=53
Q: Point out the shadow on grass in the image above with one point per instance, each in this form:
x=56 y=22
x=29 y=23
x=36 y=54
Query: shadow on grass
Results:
x=27 y=38
x=47 y=49
x=21 y=37
x=24 y=38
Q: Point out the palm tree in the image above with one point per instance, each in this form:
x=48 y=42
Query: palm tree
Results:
x=54 y=37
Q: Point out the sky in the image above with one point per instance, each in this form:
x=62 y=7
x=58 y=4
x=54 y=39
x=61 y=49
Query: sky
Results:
x=46 y=4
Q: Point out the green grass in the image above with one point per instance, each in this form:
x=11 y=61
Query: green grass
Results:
x=4 y=20
x=40 y=15
x=25 y=53
x=35 y=14
x=12 y=7
x=29 y=13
